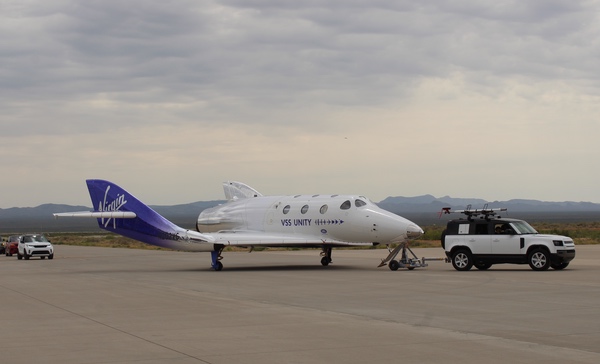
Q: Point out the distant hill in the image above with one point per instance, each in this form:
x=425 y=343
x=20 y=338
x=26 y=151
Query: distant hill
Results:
x=424 y=209
x=40 y=218
x=421 y=209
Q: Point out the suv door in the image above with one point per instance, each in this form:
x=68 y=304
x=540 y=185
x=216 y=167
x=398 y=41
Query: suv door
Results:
x=505 y=241
x=479 y=238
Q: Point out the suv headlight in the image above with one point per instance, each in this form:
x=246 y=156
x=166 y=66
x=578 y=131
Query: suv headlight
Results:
x=558 y=242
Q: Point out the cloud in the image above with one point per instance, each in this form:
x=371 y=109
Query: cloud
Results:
x=231 y=83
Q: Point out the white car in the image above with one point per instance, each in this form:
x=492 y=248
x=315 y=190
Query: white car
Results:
x=34 y=245
x=482 y=242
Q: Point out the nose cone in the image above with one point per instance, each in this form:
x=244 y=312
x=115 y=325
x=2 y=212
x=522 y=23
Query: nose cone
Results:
x=413 y=231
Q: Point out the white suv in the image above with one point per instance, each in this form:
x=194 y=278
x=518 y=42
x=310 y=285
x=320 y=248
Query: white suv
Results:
x=35 y=245
x=488 y=240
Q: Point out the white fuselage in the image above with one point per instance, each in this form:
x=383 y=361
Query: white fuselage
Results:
x=333 y=219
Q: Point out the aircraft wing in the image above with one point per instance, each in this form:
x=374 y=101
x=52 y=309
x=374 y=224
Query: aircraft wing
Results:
x=99 y=214
x=245 y=238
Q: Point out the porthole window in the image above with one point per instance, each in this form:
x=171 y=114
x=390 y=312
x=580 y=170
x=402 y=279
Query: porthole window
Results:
x=286 y=209
x=359 y=203
x=304 y=209
x=346 y=205
x=323 y=209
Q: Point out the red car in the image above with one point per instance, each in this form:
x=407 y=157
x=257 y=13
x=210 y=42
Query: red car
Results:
x=12 y=245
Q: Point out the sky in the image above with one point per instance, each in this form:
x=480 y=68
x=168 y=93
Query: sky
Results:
x=466 y=98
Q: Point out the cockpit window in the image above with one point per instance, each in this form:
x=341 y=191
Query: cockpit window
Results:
x=323 y=209
x=346 y=205
x=359 y=203
x=304 y=209
x=286 y=209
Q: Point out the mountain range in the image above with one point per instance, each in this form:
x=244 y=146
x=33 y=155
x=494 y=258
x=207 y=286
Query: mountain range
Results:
x=424 y=210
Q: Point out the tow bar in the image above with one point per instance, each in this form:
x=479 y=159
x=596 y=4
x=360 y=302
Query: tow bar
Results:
x=405 y=261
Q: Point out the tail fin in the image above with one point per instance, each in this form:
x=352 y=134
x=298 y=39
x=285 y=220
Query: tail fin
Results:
x=120 y=212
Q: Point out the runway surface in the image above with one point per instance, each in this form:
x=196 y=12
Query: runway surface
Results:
x=103 y=305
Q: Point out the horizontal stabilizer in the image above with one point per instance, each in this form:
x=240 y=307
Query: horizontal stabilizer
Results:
x=99 y=214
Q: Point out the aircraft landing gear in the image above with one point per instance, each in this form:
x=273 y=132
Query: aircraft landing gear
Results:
x=326 y=256
x=405 y=261
x=216 y=259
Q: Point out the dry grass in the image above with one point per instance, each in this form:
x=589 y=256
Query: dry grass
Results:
x=582 y=233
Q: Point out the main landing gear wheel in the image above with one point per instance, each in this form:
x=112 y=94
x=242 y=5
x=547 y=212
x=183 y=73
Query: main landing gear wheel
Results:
x=216 y=259
x=326 y=254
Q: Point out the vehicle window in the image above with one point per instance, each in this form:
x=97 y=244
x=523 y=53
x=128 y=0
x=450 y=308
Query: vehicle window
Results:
x=286 y=209
x=523 y=227
x=481 y=229
x=323 y=209
x=304 y=209
x=346 y=205
x=359 y=203
x=463 y=229
x=501 y=228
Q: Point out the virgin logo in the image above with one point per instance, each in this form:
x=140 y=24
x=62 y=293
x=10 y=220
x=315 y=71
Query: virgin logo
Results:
x=114 y=205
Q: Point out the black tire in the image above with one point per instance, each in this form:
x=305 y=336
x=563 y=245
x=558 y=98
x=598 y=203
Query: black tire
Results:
x=218 y=266
x=51 y=256
x=324 y=261
x=462 y=260
x=19 y=256
x=26 y=256
x=539 y=259
x=482 y=265
x=559 y=266
x=394 y=265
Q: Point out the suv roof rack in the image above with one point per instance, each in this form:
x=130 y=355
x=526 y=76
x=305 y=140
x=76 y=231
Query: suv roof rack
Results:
x=485 y=212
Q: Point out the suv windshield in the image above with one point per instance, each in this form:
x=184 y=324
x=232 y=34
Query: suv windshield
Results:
x=35 y=238
x=523 y=228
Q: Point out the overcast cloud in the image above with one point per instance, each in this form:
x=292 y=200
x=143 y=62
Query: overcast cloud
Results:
x=495 y=99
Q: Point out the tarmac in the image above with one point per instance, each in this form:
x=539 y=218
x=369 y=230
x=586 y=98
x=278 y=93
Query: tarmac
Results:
x=105 y=305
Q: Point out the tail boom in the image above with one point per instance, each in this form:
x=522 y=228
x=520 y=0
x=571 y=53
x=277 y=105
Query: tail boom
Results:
x=120 y=212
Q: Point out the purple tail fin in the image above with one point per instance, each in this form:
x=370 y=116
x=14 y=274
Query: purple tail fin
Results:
x=148 y=226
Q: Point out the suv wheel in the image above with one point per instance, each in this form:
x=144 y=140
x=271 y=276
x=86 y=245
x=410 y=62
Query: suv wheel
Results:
x=539 y=259
x=462 y=260
x=559 y=266
x=482 y=265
